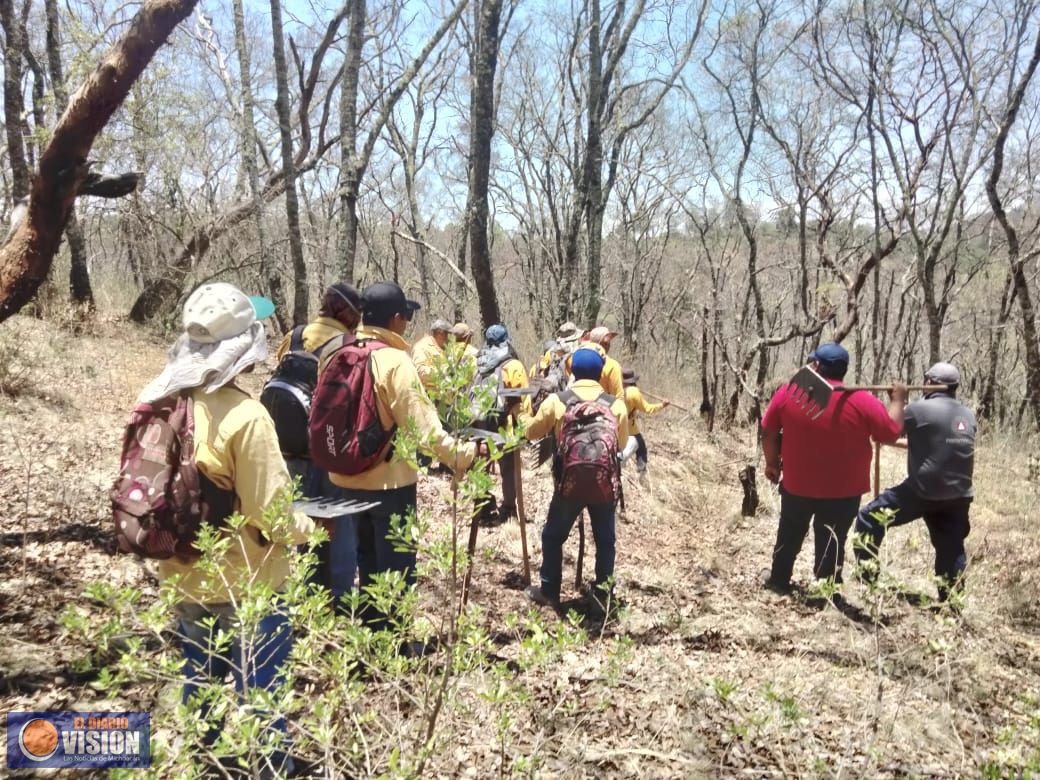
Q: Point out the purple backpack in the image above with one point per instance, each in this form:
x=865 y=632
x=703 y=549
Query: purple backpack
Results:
x=587 y=458
x=160 y=499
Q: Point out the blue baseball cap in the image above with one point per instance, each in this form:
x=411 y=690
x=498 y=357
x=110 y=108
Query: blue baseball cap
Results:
x=830 y=352
x=586 y=364
x=496 y=334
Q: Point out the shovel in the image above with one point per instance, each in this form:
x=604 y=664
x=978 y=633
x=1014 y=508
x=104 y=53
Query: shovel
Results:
x=812 y=392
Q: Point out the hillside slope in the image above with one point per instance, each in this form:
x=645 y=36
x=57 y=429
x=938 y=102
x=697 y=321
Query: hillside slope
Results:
x=703 y=674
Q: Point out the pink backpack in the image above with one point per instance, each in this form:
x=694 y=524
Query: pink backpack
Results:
x=346 y=435
x=587 y=460
x=160 y=499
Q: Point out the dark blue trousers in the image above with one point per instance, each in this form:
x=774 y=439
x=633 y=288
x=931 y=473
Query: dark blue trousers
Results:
x=947 y=522
x=831 y=519
x=562 y=514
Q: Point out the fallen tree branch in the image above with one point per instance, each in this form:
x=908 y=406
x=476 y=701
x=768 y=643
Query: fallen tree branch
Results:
x=447 y=260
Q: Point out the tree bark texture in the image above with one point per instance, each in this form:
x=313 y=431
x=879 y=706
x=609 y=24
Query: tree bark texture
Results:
x=483 y=98
x=80 y=288
x=349 y=171
x=292 y=201
x=14 y=101
x=1019 y=278
x=249 y=144
x=26 y=259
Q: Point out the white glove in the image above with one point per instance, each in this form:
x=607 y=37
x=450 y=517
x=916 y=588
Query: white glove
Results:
x=630 y=448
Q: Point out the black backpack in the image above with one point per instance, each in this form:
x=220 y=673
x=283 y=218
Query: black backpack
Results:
x=287 y=395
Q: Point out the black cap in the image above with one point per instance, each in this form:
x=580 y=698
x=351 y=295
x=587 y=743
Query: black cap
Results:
x=385 y=299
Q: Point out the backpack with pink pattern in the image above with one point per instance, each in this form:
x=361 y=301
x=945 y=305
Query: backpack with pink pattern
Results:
x=160 y=499
x=346 y=435
x=587 y=459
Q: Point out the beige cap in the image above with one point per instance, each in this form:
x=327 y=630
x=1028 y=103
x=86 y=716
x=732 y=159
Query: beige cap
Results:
x=601 y=334
x=461 y=330
x=219 y=311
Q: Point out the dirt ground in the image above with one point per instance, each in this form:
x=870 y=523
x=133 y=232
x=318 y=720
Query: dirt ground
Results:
x=705 y=674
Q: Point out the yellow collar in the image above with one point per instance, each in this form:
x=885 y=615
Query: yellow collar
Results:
x=388 y=337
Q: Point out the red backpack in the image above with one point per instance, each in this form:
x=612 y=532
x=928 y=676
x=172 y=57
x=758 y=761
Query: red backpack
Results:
x=160 y=499
x=346 y=434
x=587 y=459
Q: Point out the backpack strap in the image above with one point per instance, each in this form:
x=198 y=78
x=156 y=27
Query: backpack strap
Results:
x=317 y=352
x=331 y=347
x=606 y=399
x=569 y=397
x=296 y=339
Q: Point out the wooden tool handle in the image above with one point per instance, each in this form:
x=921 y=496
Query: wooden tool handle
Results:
x=888 y=388
x=648 y=394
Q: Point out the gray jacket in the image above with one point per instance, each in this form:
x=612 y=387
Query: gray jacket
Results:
x=940 y=432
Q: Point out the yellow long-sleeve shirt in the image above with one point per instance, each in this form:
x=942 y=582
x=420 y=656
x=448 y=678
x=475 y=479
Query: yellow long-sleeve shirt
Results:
x=635 y=403
x=550 y=414
x=237 y=448
x=400 y=397
x=514 y=377
x=424 y=354
x=315 y=335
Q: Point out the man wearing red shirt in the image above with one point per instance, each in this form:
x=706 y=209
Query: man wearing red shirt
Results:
x=825 y=464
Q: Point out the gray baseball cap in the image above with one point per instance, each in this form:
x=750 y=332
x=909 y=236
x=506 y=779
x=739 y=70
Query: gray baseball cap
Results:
x=943 y=374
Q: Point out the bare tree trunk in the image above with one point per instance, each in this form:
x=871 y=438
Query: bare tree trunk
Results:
x=26 y=258
x=292 y=201
x=593 y=173
x=249 y=144
x=1019 y=279
x=79 y=274
x=467 y=213
x=354 y=162
x=14 y=102
x=350 y=169
x=483 y=97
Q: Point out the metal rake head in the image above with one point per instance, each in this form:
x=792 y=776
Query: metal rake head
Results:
x=810 y=391
x=328 y=508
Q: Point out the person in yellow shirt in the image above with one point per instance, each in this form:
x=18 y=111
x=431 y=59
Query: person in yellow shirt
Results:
x=568 y=336
x=460 y=341
x=429 y=348
x=236 y=447
x=599 y=340
x=498 y=364
x=401 y=398
x=635 y=403
x=340 y=313
x=587 y=365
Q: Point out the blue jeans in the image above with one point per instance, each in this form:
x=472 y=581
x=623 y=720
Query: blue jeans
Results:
x=261 y=666
x=337 y=559
x=831 y=519
x=562 y=514
x=947 y=522
x=376 y=553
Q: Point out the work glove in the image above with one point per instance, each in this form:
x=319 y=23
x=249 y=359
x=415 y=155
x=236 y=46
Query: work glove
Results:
x=630 y=448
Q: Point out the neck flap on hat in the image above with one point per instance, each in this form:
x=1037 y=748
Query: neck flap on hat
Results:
x=190 y=364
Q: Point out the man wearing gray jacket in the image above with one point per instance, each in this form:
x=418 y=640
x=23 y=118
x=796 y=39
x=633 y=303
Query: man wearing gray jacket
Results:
x=940 y=433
